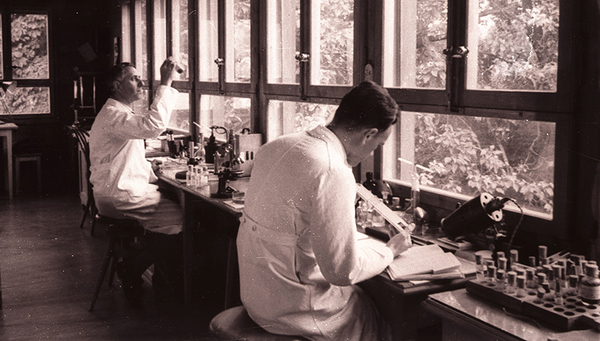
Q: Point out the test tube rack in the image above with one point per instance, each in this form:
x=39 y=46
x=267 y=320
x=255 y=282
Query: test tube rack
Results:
x=572 y=314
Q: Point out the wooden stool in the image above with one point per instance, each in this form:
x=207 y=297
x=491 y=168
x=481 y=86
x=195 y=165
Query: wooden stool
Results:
x=37 y=158
x=235 y=324
x=120 y=231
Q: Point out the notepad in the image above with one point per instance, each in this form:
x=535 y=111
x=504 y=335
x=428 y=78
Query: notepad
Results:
x=426 y=259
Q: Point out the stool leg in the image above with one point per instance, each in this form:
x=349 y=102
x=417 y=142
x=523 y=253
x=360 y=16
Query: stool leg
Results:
x=105 y=263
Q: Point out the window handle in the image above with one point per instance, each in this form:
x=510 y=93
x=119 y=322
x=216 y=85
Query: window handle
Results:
x=302 y=57
x=459 y=52
x=220 y=61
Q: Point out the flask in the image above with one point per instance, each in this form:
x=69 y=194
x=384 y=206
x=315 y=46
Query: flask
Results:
x=589 y=288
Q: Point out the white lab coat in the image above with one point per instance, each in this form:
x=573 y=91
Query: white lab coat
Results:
x=299 y=256
x=123 y=179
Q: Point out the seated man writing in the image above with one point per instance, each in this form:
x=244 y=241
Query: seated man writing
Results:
x=298 y=249
x=124 y=181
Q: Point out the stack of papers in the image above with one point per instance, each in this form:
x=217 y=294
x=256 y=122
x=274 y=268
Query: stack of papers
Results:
x=423 y=263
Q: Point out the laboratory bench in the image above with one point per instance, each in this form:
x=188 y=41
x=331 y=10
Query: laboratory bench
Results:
x=211 y=268
x=468 y=317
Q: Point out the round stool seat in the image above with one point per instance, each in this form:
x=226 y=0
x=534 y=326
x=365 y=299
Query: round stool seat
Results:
x=235 y=324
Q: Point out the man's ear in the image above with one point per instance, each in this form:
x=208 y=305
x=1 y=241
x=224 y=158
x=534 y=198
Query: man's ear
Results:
x=369 y=133
x=116 y=85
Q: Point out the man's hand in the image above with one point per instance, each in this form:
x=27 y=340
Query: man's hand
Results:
x=167 y=71
x=399 y=243
x=157 y=166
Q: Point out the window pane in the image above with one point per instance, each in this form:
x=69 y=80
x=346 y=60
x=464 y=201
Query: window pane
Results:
x=28 y=101
x=142 y=104
x=141 y=39
x=332 y=47
x=125 y=33
x=29 y=34
x=470 y=155
x=513 y=45
x=208 y=40
x=283 y=40
x=414 y=35
x=232 y=113
x=237 y=56
x=286 y=117
x=160 y=36
x=180 y=117
x=180 y=36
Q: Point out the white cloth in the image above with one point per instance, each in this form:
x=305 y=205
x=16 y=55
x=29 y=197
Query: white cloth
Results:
x=299 y=256
x=123 y=179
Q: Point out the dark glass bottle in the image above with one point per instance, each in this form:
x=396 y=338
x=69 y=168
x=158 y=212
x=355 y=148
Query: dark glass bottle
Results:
x=379 y=188
x=211 y=148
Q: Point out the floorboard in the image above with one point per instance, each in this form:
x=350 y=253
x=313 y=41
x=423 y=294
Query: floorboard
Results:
x=48 y=268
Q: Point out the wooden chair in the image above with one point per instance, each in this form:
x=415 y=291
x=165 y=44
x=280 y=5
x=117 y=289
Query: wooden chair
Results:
x=121 y=232
x=82 y=137
x=235 y=324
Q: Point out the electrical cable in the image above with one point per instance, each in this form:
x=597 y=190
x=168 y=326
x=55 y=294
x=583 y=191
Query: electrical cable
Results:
x=518 y=223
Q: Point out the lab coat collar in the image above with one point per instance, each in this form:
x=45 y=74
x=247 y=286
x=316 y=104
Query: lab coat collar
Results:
x=323 y=133
x=113 y=102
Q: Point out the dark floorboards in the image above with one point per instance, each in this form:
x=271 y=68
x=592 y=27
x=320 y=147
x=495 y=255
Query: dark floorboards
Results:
x=48 y=268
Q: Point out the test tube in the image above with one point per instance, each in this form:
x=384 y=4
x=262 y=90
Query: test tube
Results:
x=502 y=263
x=491 y=274
x=500 y=280
x=530 y=279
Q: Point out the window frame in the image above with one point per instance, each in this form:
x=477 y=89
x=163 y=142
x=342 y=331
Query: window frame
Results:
x=553 y=107
x=5 y=12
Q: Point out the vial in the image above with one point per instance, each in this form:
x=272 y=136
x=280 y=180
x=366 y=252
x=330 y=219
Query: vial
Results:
x=502 y=263
x=521 y=292
x=479 y=267
x=514 y=259
x=532 y=261
x=542 y=254
x=491 y=272
x=511 y=283
x=558 y=297
x=573 y=282
x=530 y=279
x=500 y=280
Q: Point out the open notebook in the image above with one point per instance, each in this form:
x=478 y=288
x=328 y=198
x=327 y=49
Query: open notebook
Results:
x=424 y=260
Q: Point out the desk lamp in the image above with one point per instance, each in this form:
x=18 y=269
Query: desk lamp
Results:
x=7 y=88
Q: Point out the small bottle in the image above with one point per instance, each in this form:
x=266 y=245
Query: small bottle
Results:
x=572 y=288
x=521 y=292
x=530 y=279
x=500 y=280
x=558 y=295
x=511 y=283
x=491 y=274
x=556 y=275
x=532 y=261
x=479 y=267
x=514 y=259
x=188 y=175
x=502 y=263
x=589 y=288
x=542 y=254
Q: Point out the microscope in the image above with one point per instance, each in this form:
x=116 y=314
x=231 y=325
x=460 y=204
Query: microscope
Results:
x=227 y=163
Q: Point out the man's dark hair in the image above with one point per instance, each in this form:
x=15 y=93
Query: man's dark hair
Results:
x=367 y=105
x=115 y=73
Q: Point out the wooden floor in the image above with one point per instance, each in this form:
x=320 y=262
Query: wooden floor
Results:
x=48 y=268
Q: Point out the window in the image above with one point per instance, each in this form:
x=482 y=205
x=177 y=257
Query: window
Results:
x=25 y=59
x=482 y=98
x=484 y=86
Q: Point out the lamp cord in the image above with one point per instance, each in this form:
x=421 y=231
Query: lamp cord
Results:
x=518 y=223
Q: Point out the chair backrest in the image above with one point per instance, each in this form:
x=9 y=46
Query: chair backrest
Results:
x=82 y=137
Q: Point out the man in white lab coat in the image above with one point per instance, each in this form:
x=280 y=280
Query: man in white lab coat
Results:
x=124 y=181
x=299 y=255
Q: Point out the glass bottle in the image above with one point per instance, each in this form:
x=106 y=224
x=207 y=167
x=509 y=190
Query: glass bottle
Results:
x=589 y=288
